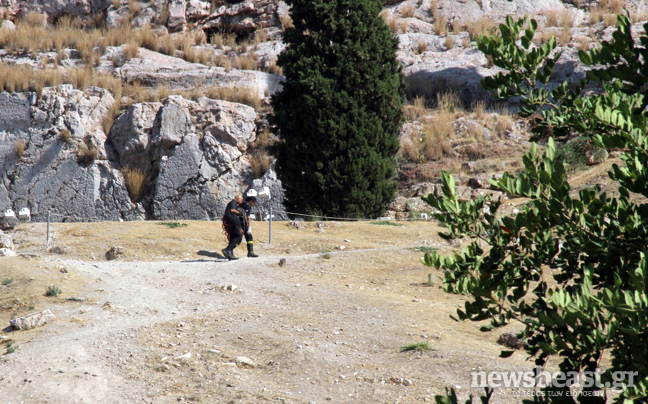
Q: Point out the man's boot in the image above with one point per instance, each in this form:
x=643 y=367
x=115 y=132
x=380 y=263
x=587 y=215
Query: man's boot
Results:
x=251 y=253
x=229 y=254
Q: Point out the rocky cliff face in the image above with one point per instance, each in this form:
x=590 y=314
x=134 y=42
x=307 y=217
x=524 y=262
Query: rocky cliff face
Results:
x=193 y=156
x=56 y=157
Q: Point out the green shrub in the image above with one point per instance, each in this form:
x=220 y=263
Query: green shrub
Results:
x=53 y=291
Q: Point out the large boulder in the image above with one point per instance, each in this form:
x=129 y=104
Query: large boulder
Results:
x=192 y=151
x=152 y=69
x=63 y=165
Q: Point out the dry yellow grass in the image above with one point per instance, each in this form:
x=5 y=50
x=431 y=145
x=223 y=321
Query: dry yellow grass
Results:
x=567 y=18
x=260 y=162
x=449 y=42
x=19 y=148
x=482 y=26
x=246 y=62
x=551 y=19
x=564 y=37
x=260 y=35
x=134 y=180
x=465 y=42
x=65 y=136
x=421 y=47
x=613 y=6
x=407 y=11
x=241 y=95
x=441 y=25
x=87 y=153
x=286 y=22
x=437 y=135
x=417 y=109
x=432 y=5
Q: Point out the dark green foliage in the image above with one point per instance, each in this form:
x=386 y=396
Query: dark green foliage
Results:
x=570 y=267
x=417 y=347
x=573 y=153
x=339 y=112
x=424 y=249
x=173 y=225
x=53 y=291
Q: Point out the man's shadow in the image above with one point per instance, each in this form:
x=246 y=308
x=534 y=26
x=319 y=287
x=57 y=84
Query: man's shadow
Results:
x=210 y=254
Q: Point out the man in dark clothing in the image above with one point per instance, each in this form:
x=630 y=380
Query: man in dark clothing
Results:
x=233 y=226
x=247 y=206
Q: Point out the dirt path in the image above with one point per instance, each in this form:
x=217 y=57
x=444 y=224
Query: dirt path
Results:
x=326 y=327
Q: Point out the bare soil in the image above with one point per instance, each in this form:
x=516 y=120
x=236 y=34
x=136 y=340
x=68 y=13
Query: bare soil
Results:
x=160 y=325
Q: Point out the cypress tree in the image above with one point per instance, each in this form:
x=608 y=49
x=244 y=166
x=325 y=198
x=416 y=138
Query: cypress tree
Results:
x=339 y=112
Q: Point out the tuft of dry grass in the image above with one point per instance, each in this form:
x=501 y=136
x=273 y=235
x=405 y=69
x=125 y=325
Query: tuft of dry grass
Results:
x=116 y=4
x=65 y=136
x=286 y=22
x=134 y=180
x=437 y=135
x=503 y=123
x=403 y=26
x=246 y=62
x=613 y=6
x=87 y=154
x=19 y=148
x=131 y=49
x=242 y=95
x=567 y=18
x=564 y=37
x=479 y=109
x=432 y=5
x=407 y=11
x=551 y=20
x=483 y=26
x=441 y=25
x=449 y=42
x=449 y=102
x=260 y=162
x=260 y=35
x=465 y=42
x=417 y=109
x=421 y=47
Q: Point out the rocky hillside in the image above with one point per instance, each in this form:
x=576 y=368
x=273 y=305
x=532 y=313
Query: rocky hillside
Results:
x=117 y=110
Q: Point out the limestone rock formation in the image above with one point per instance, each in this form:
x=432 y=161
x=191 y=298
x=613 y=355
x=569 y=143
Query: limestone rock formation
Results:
x=53 y=156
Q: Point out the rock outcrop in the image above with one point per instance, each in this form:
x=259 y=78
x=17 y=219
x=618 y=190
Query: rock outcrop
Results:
x=53 y=156
x=56 y=157
x=192 y=152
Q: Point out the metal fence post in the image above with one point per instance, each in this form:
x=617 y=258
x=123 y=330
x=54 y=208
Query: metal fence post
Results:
x=48 y=229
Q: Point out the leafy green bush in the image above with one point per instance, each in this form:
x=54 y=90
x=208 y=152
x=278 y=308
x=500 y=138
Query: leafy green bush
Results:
x=571 y=269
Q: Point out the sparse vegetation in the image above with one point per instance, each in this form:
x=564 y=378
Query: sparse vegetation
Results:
x=407 y=11
x=87 y=154
x=134 y=180
x=11 y=348
x=7 y=281
x=65 y=136
x=384 y=223
x=417 y=347
x=424 y=249
x=173 y=225
x=53 y=291
x=19 y=148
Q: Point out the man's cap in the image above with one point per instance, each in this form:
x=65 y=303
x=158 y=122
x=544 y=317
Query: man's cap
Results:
x=251 y=199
